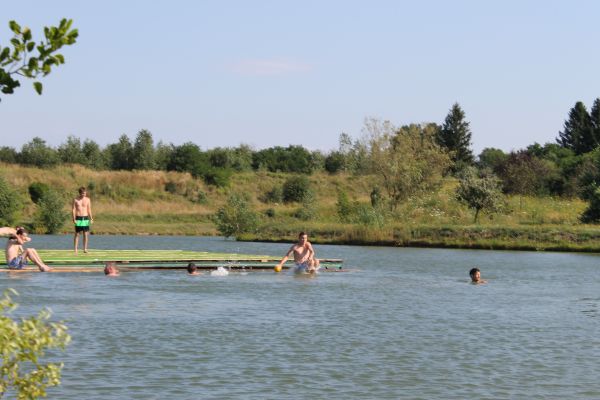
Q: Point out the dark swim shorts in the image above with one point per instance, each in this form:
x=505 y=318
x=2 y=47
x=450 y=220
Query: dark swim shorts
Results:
x=82 y=224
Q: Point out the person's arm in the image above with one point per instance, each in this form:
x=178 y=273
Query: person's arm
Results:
x=311 y=251
x=286 y=257
x=7 y=230
x=74 y=210
x=89 y=209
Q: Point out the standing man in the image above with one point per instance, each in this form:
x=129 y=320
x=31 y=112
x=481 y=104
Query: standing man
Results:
x=304 y=256
x=82 y=217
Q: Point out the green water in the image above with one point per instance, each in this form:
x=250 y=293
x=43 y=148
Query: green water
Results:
x=407 y=325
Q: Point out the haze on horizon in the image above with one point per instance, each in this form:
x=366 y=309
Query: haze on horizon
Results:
x=269 y=73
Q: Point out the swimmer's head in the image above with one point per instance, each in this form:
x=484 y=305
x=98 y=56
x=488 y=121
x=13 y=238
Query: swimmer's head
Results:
x=191 y=268
x=111 y=269
x=475 y=274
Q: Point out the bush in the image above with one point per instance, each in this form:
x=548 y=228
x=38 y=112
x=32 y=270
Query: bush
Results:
x=295 y=189
x=50 y=215
x=345 y=209
x=335 y=162
x=270 y=212
x=219 y=177
x=9 y=204
x=236 y=216
x=307 y=211
x=275 y=195
x=37 y=190
x=171 y=187
x=24 y=344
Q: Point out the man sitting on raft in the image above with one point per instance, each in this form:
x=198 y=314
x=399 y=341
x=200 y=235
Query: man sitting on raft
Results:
x=304 y=256
x=16 y=256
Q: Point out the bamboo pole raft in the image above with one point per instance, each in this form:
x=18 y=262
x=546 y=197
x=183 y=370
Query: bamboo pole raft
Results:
x=140 y=260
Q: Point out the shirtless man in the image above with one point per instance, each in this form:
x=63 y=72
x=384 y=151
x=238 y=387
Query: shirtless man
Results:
x=111 y=269
x=475 y=275
x=82 y=217
x=16 y=256
x=304 y=256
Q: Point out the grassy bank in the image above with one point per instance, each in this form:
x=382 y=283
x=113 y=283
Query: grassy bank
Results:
x=169 y=203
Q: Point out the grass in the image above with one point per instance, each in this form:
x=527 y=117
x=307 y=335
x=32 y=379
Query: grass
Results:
x=138 y=203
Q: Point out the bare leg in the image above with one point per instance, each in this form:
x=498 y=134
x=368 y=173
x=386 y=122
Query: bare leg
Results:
x=33 y=256
x=85 y=241
x=76 y=241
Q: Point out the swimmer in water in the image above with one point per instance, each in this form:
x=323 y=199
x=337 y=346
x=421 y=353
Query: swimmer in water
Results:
x=475 y=275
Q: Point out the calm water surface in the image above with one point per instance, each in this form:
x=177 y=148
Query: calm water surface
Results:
x=406 y=325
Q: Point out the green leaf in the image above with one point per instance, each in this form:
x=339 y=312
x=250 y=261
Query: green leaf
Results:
x=32 y=63
x=4 y=54
x=60 y=59
x=16 y=28
x=38 y=87
x=26 y=34
x=30 y=46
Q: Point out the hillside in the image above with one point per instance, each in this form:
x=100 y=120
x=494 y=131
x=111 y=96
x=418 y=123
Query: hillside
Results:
x=171 y=203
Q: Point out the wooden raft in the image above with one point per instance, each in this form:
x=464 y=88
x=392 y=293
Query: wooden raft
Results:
x=139 y=260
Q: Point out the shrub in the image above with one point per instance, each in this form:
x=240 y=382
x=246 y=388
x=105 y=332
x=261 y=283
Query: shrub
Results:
x=171 y=187
x=270 y=212
x=295 y=189
x=335 y=162
x=219 y=177
x=37 y=190
x=50 y=215
x=275 y=195
x=24 y=344
x=9 y=204
x=236 y=216
x=307 y=211
x=345 y=209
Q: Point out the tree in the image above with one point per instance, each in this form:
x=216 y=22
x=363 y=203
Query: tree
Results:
x=121 y=154
x=9 y=204
x=236 y=216
x=8 y=155
x=480 y=193
x=595 y=117
x=524 y=174
x=591 y=215
x=71 y=151
x=578 y=134
x=93 y=156
x=24 y=345
x=455 y=137
x=38 y=154
x=143 y=151
x=492 y=159
x=22 y=60
x=405 y=161
x=187 y=158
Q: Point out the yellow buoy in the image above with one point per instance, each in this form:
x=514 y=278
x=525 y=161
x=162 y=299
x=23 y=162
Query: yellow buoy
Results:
x=277 y=268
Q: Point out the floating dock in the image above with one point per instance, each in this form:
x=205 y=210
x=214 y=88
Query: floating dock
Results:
x=139 y=260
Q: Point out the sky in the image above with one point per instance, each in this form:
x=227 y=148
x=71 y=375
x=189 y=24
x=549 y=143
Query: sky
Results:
x=278 y=73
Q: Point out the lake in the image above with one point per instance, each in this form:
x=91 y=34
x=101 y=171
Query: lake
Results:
x=406 y=324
